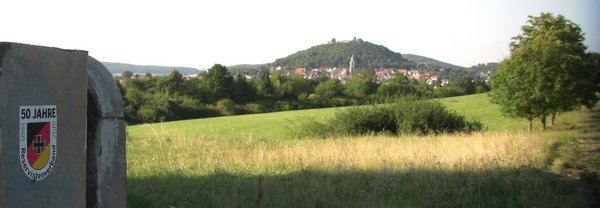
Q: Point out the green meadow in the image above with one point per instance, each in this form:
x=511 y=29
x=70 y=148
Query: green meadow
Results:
x=269 y=126
x=254 y=161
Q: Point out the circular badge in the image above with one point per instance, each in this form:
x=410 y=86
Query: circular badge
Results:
x=37 y=140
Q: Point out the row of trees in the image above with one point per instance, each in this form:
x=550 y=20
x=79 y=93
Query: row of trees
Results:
x=218 y=92
x=548 y=71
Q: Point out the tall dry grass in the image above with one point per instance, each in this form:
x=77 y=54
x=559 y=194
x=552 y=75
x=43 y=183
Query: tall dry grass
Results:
x=477 y=170
x=458 y=152
x=206 y=155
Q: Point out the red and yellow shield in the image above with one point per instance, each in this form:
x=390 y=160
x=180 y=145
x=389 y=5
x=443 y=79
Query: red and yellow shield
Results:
x=37 y=140
x=38 y=144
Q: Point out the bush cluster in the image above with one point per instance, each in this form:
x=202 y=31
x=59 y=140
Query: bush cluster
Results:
x=406 y=116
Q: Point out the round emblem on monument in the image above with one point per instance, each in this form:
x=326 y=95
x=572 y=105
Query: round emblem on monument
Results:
x=37 y=140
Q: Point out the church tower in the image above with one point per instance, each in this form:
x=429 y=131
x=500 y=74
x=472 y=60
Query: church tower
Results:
x=352 y=64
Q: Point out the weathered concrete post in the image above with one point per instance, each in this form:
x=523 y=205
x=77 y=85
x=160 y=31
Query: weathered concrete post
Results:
x=41 y=153
x=106 y=163
x=62 y=135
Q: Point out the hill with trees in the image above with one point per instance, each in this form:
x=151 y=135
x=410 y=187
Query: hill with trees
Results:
x=371 y=56
x=118 y=68
x=338 y=53
x=247 y=68
x=429 y=62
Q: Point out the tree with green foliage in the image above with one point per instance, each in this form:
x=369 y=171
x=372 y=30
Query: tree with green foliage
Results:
x=545 y=72
x=463 y=86
x=243 y=91
x=511 y=91
x=329 y=89
x=397 y=86
x=278 y=80
x=292 y=86
x=361 y=84
x=589 y=83
x=126 y=74
x=594 y=62
x=219 y=82
x=263 y=84
x=420 y=89
x=171 y=84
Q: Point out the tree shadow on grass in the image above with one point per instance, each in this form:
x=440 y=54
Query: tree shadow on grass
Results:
x=584 y=143
x=578 y=154
x=518 y=187
x=593 y=127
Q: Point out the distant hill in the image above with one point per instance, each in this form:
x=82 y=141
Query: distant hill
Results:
x=117 y=68
x=338 y=53
x=430 y=62
x=246 y=68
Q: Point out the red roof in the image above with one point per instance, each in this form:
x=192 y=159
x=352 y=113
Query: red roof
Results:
x=300 y=70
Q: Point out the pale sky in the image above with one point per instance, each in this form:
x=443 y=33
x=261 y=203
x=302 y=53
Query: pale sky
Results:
x=201 y=33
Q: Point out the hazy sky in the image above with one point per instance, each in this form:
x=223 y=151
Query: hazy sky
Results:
x=202 y=33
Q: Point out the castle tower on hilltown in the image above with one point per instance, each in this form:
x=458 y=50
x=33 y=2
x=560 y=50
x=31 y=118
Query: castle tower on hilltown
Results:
x=352 y=65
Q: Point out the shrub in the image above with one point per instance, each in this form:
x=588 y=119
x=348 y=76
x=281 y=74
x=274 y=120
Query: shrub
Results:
x=303 y=96
x=284 y=106
x=364 y=120
x=405 y=116
x=428 y=116
x=226 y=106
x=254 y=108
x=188 y=108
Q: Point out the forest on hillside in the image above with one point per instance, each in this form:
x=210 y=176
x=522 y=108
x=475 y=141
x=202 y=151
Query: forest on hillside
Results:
x=338 y=53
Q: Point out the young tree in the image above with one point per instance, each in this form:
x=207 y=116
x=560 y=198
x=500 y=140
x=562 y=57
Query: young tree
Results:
x=243 y=90
x=263 y=84
x=219 y=82
x=545 y=71
x=516 y=98
x=278 y=81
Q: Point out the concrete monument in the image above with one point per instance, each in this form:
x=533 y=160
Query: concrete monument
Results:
x=62 y=136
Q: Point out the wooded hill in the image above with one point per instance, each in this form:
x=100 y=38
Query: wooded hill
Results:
x=426 y=61
x=117 y=68
x=371 y=56
x=338 y=53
